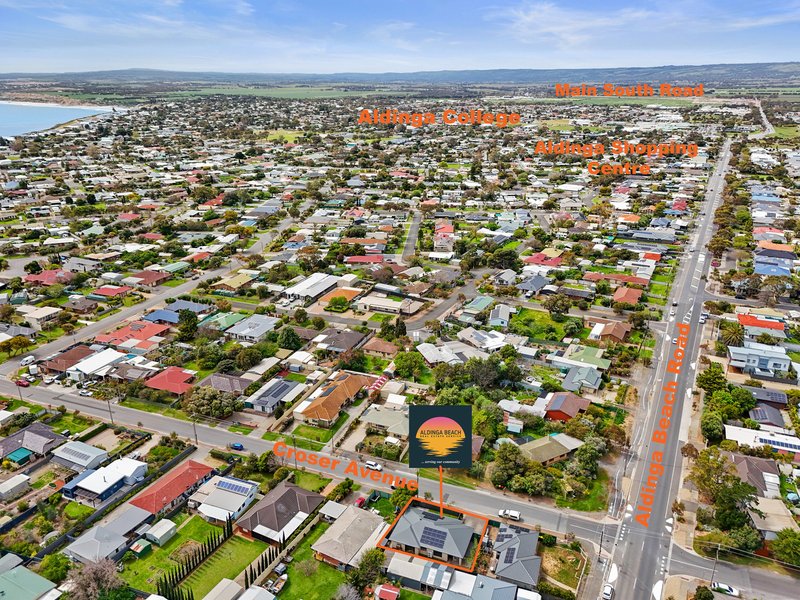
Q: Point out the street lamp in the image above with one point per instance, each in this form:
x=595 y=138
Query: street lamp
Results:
x=110 y=412
x=294 y=442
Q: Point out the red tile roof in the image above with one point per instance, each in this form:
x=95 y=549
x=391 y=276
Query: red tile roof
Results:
x=542 y=259
x=198 y=256
x=172 y=379
x=128 y=216
x=138 y=330
x=753 y=321
x=50 y=277
x=152 y=236
x=167 y=489
x=627 y=295
x=374 y=258
x=632 y=279
x=112 y=291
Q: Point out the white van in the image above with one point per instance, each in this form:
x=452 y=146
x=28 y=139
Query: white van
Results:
x=27 y=361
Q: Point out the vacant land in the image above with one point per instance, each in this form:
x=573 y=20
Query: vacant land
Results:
x=563 y=565
x=310 y=481
x=596 y=498
x=323 y=583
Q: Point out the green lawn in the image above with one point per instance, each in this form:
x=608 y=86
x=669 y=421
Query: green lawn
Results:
x=787 y=132
x=174 y=283
x=595 y=500
x=143 y=573
x=536 y=324
x=383 y=506
x=657 y=289
x=231 y=559
x=271 y=436
x=320 y=434
x=43 y=480
x=310 y=481
x=15 y=403
x=320 y=586
x=155 y=407
x=380 y=317
x=411 y=595
x=240 y=429
x=75 y=423
x=450 y=477
x=77 y=512
x=298 y=377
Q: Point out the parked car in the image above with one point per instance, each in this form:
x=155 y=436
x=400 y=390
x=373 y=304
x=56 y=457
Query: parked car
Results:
x=371 y=464
x=724 y=588
x=675 y=340
x=23 y=383
x=512 y=515
x=27 y=361
x=85 y=393
x=361 y=501
x=672 y=313
x=608 y=592
x=48 y=380
x=30 y=378
x=236 y=446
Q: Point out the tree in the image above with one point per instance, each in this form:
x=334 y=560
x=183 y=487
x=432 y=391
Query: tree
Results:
x=732 y=333
x=399 y=328
x=288 y=339
x=368 y=569
x=338 y=304
x=711 y=472
x=300 y=315
x=703 y=593
x=247 y=358
x=210 y=402
x=401 y=496
x=508 y=462
x=712 y=426
x=572 y=328
x=54 y=291
x=712 y=378
x=55 y=567
x=557 y=305
x=409 y=364
x=347 y=592
x=746 y=538
x=33 y=267
x=92 y=580
x=786 y=546
x=223 y=305
x=318 y=323
x=187 y=325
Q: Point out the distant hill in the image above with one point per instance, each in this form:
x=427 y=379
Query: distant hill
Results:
x=751 y=74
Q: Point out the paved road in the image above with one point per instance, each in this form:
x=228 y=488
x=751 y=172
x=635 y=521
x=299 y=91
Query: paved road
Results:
x=90 y=331
x=643 y=547
x=410 y=247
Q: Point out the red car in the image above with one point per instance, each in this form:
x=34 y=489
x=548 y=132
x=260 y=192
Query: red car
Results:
x=359 y=503
x=23 y=383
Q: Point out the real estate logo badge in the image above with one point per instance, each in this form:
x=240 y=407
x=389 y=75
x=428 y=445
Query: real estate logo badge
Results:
x=440 y=436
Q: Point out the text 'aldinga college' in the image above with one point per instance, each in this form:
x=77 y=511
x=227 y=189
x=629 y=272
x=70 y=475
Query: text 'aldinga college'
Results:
x=658 y=440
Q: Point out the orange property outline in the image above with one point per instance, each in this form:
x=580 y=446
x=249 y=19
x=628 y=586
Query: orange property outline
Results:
x=428 y=558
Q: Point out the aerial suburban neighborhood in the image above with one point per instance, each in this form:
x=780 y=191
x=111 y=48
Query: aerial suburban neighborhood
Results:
x=220 y=301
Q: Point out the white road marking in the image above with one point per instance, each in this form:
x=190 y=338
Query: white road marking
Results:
x=613 y=574
x=657 y=589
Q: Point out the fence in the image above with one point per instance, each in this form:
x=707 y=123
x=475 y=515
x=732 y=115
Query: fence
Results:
x=103 y=510
x=291 y=545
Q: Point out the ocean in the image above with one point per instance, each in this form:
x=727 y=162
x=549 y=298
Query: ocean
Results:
x=16 y=119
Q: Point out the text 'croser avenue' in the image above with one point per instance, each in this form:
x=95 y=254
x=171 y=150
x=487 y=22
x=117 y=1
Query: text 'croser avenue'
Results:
x=650 y=479
x=283 y=450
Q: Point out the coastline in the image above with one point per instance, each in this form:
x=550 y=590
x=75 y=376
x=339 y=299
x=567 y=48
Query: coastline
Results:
x=107 y=108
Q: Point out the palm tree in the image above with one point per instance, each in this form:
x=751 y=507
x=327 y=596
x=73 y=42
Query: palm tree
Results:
x=732 y=334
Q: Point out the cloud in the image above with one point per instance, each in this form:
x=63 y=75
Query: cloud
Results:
x=393 y=33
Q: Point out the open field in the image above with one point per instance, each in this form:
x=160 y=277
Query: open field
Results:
x=301 y=92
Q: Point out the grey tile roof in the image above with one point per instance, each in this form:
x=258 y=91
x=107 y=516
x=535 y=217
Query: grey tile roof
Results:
x=411 y=529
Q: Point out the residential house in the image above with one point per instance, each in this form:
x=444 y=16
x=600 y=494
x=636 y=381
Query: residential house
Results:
x=352 y=534
x=578 y=378
x=81 y=305
x=311 y=288
x=551 y=449
x=774 y=398
x=761 y=473
x=515 y=558
x=380 y=348
x=171 y=488
x=234 y=283
x=579 y=356
x=388 y=421
x=39 y=317
x=501 y=315
x=227 y=384
x=172 y=379
x=222 y=498
x=388 y=305
x=425 y=533
x=338 y=340
x=49 y=277
x=770 y=516
x=275 y=392
x=221 y=321
x=563 y=406
x=138 y=337
x=279 y=513
x=759 y=359
x=20 y=583
x=79 y=456
x=37 y=439
x=323 y=408
x=488 y=341
x=252 y=329
x=63 y=362
x=76 y=264
x=146 y=279
x=95 y=365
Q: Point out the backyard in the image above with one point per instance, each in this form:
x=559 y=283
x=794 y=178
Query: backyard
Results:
x=320 y=434
x=310 y=481
x=229 y=560
x=537 y=324
x=562 y=564
x=143 y=573
x=322 y=585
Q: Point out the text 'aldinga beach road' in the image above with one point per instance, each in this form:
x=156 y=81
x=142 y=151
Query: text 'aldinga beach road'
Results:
x=655 y=469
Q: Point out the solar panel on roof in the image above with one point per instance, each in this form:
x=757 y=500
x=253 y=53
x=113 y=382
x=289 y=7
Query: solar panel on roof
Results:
x=76 y=453
x=432 y=537
x=232 y=486
x=510 y=553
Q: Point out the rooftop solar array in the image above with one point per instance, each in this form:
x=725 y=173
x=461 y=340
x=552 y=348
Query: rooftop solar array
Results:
x=232 y=486
x=510 y=553
x=433 y=537
x=76 y=453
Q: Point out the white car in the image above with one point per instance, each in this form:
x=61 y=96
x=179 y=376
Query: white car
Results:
x=608 y=592
x=512 y=515
x=85 y=393
x=672 y=313
x=28 y=360
x=716 y=586
x=674 y=340
x=371 y=464
x=48 y=380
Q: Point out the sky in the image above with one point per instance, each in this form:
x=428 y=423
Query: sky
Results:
x=331 y=36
